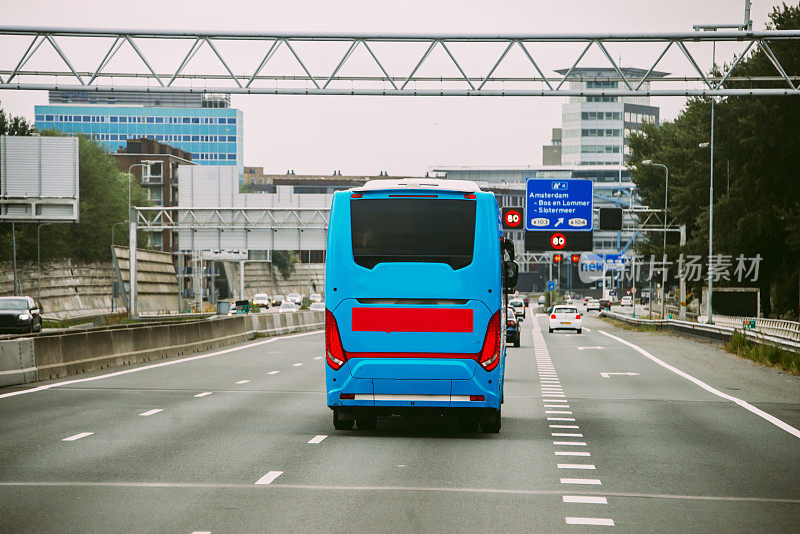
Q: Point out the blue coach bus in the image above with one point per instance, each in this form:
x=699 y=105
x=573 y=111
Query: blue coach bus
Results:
x=415 y=288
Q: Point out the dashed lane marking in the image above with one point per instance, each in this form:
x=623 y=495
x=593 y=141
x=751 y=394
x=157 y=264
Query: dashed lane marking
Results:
x=268 y=478
x=298 y=364
x=588 y=481
x=78 y=436
x=571 y=453
x=590 y=521
x=560 y=418
x=746 y=405
x=566 y=412
x=273 y=372
x=565 y=435
x=155 y=365
x=585 y=499
x=204 y=394
x=317 y=357
x=317 y=439
x=576 y=466
x=242 y=381
x=574 y=443
x=564 y=426
x=151 y=412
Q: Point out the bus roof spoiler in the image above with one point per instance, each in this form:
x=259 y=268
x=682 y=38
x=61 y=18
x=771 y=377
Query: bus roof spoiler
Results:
x=428 y=184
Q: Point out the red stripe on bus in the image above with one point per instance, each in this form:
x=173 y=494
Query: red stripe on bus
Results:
x=412 y=320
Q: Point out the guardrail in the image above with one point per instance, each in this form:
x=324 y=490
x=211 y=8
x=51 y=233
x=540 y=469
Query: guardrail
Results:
x=717 y=331
x=772 y=327
x=42 y=357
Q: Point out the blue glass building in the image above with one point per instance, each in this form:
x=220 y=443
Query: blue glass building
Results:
x=212 y=135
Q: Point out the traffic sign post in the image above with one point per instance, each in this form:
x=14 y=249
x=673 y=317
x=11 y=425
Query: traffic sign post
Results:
x=513 y=218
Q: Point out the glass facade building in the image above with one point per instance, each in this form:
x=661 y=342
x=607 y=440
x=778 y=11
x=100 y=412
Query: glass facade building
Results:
x=213 y=136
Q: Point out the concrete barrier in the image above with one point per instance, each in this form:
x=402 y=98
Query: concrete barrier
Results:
x=24 y=360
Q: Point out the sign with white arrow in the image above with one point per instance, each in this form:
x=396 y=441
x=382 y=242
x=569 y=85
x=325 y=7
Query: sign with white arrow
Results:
x=606 y=375
x=598 y=347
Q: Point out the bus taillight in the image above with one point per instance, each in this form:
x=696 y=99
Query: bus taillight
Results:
x=490 y=353
x=334 y=352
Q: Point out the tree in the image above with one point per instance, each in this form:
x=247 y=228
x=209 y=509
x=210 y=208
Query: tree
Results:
x=756 y=188
x=10 y=125
x=284 y=260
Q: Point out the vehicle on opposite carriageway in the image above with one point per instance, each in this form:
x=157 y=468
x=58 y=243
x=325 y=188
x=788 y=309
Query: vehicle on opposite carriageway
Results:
x=415 y=320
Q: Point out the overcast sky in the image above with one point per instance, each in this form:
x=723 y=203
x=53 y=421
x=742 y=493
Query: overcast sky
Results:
x=401 y=135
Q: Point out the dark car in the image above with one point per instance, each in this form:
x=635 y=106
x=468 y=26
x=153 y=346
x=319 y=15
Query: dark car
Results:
x=605 y=304
x=19 y=315
x=512 y=327
x=527 y=300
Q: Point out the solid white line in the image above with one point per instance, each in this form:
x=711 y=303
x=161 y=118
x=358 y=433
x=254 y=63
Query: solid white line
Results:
x=154 y=365
x=151 y=412
x=204 y=394
x=566 y=412
x=746 y=405
x=592 y=481
x=576 y=443
x=242 y=381
x=565 y=435
x=317 y=439
x=575 y=466
x=570 y=453
x=273 y=372
x=78 y=436
x=590 y=521
x=585 y=499
x=269 y=477
x=318 y=357
x=298 y=364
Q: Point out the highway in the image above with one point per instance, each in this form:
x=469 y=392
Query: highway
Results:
x=613 y=429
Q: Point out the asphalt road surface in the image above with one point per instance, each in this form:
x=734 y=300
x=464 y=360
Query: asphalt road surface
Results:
x=612 y=429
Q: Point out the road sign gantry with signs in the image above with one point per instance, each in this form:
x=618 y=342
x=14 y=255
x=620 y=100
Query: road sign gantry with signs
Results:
x=562 y=205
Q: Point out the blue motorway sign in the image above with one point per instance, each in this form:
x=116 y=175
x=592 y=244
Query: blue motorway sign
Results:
x=551 y=285
x=558 y=204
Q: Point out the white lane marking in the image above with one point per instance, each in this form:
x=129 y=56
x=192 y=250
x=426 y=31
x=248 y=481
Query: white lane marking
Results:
x=606 y=375
x=553 y=395
x=746 y=405
x=298 y=364
x=317 y=439
x=565 y=435
x=555 y=400
x=154 y=365
x=585 y=499
x=273 y=372
x=201 y=532
x=587 y=329
x=556 y=406
x=592 y=481
x=269 y=477
x=560 y=418
x=590 y=521
x=151 y=412
x=204 y=394
x=242 y=381
x=570 y=453
x=575 y=443
x=575 y=466
x=564 y=426
x=565 y=412
x=78 y=436
x=598 y=347
x=318 y=357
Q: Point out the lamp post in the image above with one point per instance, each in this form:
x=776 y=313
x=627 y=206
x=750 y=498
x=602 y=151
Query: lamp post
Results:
x=710 y=145
x=649 y=163
x=39 y=260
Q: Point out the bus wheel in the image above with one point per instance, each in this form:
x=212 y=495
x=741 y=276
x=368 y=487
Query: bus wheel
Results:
x=341 y=424
x=491 y=425
x=367 y=422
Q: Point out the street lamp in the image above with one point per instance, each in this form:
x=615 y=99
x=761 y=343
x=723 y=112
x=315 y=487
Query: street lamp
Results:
x=39 y=259
x=649 y=163
x=710 y=145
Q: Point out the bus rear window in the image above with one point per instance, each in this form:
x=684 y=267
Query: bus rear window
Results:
x=412 y=230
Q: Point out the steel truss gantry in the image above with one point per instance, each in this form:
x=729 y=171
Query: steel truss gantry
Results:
x=76 y=71
x=178 y=218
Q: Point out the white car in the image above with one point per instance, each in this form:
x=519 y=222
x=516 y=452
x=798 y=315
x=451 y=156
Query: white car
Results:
x=261 y=299
x=626 y=301
x=315 y=297
x=565 y=318
x=294 y=297
x=592 y=304
x=541 y=300
x=317 y=306
x=287 y=306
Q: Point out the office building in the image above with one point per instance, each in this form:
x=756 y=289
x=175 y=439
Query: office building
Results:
x=205 y=126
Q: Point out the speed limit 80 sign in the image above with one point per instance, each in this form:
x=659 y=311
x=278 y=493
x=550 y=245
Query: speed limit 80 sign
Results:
x=513 y=219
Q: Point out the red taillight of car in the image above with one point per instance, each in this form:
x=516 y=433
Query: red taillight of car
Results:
x=347 y=396
x=578 y=316
x=511 y=323
x=476 y=398
x=489 y=355
x=553 y=316
x=334 y=352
